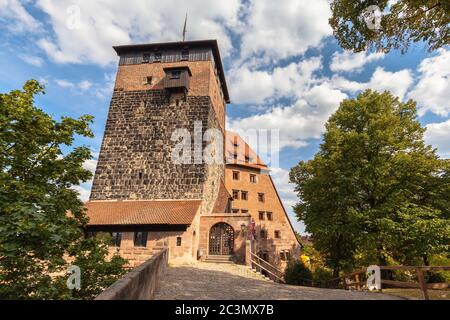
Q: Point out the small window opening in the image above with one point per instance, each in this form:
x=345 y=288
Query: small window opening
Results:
x=146 y=58
x=158 y=56
x=185 y=55
x=176 y=74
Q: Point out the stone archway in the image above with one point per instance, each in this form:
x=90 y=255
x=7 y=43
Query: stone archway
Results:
x=221 y=239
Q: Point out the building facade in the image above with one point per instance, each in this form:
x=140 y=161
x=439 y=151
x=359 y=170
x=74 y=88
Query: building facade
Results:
x=147 y=193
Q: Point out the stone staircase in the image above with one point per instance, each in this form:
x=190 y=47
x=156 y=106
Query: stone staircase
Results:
x=226 y=263
x=219 y=259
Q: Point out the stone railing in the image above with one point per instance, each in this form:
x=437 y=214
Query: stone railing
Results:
x=141 y=282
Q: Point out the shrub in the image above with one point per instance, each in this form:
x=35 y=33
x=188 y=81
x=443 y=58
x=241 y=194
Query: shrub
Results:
x=297 y=273
x=322 y=277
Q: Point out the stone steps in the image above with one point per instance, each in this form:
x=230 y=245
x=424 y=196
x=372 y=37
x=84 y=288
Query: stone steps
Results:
x=219 y=259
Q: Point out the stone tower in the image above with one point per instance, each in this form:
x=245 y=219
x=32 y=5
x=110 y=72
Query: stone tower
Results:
x=160 y=87
x=148 y=201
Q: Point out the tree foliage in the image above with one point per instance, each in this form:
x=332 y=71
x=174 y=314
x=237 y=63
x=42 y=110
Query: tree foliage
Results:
x=41 y=217
x=375 y=192
x=297 y=273
x=402 y=23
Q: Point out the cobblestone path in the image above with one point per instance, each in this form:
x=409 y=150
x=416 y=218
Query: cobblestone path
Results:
x=202 y=280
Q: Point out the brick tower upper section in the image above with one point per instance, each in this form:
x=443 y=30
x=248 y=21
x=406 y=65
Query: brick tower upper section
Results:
x=159 y=88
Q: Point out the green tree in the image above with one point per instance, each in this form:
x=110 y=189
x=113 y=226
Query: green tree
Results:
x=373 y=192
x=41 y=217
x=402 y=23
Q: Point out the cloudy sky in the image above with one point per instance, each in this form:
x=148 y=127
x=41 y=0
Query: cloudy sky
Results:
x=284 y=69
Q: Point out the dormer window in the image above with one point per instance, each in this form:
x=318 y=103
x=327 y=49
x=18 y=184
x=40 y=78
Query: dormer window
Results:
x=185 y=54
x=148 y=80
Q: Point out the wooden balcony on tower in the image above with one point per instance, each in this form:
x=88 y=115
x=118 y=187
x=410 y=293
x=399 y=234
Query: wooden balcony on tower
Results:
x=177 y=78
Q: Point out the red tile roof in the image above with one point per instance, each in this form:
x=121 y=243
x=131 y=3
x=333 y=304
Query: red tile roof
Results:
x=223 y=197
x=132 y=212
x=235 y=145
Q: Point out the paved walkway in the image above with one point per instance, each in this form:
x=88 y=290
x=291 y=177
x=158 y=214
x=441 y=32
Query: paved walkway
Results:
x=202 y=281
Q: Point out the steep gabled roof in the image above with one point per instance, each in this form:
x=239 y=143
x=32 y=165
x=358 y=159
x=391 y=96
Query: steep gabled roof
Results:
x=238 y=152
x=223 y=197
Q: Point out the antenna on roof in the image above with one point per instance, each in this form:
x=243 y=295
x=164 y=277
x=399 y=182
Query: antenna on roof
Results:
x=184 y=28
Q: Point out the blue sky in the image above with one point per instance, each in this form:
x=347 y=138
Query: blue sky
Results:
x=284 y=69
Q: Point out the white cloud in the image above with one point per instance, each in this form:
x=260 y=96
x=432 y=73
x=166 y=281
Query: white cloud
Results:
x=85 y=85
x=285 y=189
x=82 y=85
x=83 y=192
x=103 y=92
x=279 y=29
x=33 y=60
x=64 y=83
x=16 y=18
x=349 y=61
x=107 y=23
x=432 y=91
x=90 y=165
x=255 y=86
x=395 y=82
x=298 y=122
x=438 y=135
x=287 y=194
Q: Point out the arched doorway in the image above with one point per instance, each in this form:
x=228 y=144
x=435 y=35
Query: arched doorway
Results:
x=221 y=239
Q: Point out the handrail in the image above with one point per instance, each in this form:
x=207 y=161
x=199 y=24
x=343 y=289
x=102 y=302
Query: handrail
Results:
x=266 y=262
x=402 y=284
x=265 y=269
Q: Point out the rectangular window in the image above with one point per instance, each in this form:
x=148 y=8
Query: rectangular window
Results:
x=236 y=194
x=235 y=210
x=140 y=239
x=269 y=216
x=184 y=54
x=178 y=241
x=244 y=211
x=261 y=197
x=158 y=56
x=244 y=195
x=282 y=257
x=261 y=215
x=148 y=80
x=277 y=234
x=146 y=58
x=176 y=74
x=116 y=239
x=235 y=175
x=263 y=234
x=253 y=178
x=287 y=254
